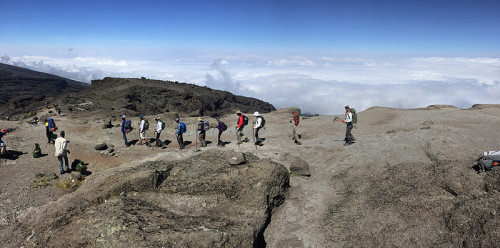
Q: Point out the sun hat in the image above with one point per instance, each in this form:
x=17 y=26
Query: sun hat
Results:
x=141 y=116
x=199 y=118
x=256 y=114
x=238 y=112
x=157 y=118
x=123 y=116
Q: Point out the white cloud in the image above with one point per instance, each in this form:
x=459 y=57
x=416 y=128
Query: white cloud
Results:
x=316 y=84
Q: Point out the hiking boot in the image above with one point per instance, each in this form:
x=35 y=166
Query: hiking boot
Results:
x=299 y=143
x=246 y=140
x=238 y=143
x=61 y=172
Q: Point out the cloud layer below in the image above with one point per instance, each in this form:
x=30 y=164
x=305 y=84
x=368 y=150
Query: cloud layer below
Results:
x=316 y=84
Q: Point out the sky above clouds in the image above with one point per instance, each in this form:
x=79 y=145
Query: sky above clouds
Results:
x=317 y=55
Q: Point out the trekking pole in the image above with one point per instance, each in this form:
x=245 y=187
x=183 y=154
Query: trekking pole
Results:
x=196 y=141
x=237 y=138
x=253 y=134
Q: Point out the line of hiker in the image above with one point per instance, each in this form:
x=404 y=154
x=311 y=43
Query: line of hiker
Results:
x=201 y=131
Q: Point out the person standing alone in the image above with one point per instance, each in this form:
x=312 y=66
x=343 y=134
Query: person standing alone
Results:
x=349 y=139
x=201 y=128
x=296 y=121
x=62 y=151
x=180 y=129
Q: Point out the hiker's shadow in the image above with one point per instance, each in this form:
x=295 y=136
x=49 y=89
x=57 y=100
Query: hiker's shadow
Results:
x=132 y=142
x=226 y=142
x=13 y=155
x=208 y=142
x=187 y=143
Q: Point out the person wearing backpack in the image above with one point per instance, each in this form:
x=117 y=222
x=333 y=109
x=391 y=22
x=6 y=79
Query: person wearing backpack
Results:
x=258 y=124
x=48 y=132
x=296 y=120
x=242 y=121
x=221 y=126
x=180 y=129
x=160 y=125
x=125 y=128
x=143 y=126
x=61 y=153
x=202 y=129
x=349 y=139
x=3 y=147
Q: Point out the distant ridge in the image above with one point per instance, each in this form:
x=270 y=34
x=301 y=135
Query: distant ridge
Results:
x=116 y=96
x=21 y=87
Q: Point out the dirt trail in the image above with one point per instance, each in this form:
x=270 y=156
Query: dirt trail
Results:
x=403 y=166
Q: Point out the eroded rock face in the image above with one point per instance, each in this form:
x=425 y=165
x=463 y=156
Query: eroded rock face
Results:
x=198 y=202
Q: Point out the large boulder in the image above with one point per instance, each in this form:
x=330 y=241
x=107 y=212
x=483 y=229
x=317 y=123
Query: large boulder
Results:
x=201 y=201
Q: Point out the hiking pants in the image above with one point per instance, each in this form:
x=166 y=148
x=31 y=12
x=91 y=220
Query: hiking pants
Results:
x=348 y=135
x=240 y=134
x=180 y=140
x=49 y=136
x=295 y=134
x=257 y=139
x=158 y=135
x=201 y=137
x=60 y=158
x=219 y=141
x=125 y=138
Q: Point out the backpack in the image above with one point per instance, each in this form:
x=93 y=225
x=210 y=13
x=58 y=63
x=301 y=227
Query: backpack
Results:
x=206 y=125
x=223 y=126
x=354 y=116
x=183 y=127
x=146 y=124
x=487 y=162
x=52 y=124
x=162 y=125
x=37 y=152
x=262 y=121
x=245 y=120
x=128 y=126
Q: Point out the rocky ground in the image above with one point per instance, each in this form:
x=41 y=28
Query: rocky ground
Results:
x=407 y=181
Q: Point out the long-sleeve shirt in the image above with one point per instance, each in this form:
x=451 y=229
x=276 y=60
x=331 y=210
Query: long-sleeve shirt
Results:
x=258 y=122
x=178 y=128
x=61 y=146
x=240 y=121
x=348 y=117
x=296 y=120
x=141 y=127
x=159 y=126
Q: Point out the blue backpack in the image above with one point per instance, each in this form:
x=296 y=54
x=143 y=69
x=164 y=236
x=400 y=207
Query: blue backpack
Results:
x=183 y=127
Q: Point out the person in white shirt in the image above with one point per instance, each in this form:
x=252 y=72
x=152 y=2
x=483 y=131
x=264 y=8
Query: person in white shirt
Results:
x=348 y=121
x=142 y=130
x=159 y=128
x=257 y=126
x=61 y=145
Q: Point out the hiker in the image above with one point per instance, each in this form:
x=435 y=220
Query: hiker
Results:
x=202 y=129
x=143 y=126
x=242 y=121
x=222 y=127
x=49 y=132
x=160 y=125
x=3 y=146
x=296 y=121
x=125 y=128
x=258 y=124
x=181 y=128
x=62 y=152
x=349 y=139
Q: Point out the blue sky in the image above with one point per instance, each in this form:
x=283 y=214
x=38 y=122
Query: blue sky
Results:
x=255 y=47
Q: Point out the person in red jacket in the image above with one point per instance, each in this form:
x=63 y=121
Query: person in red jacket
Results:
x=240 y=125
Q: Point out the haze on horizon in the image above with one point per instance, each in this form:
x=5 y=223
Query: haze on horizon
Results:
x=316 y=55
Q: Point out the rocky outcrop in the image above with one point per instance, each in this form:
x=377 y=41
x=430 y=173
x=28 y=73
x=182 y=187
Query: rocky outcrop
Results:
x=198 y=202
